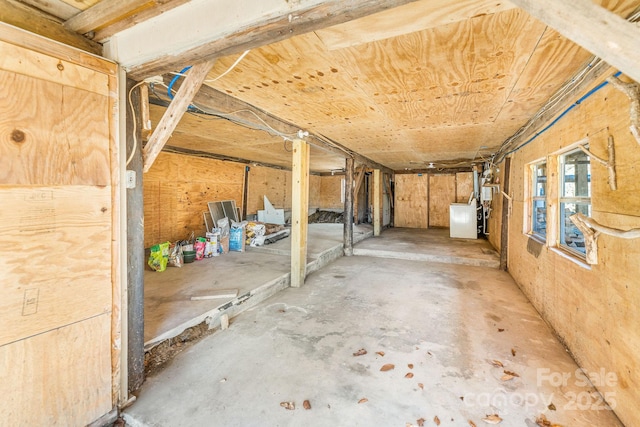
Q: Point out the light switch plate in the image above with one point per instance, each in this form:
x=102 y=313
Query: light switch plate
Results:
x=131 y=179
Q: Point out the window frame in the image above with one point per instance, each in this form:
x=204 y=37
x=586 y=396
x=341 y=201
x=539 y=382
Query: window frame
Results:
x=534 y=197
x=562 y=199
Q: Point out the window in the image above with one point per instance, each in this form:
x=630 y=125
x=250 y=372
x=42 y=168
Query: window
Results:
x=538 y=199
x=575 y=196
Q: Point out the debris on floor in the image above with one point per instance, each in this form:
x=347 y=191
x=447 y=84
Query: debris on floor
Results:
x=320 y=216
x=288 y=405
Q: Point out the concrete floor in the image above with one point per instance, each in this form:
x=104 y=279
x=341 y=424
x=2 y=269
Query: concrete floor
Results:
x=443 y=323
x=257 y=272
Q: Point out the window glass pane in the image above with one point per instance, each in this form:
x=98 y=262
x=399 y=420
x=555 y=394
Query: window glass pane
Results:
x=570 y=236
x=539 y=218
x=577 y=175
x=540 y=179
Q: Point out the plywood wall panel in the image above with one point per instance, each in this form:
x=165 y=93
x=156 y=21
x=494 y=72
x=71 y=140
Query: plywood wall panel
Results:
x=442 y=192
x=52 y=134
x=411 y=201
x=593 y=309
x=331 y=192
x=464 y=186
x=46 y=226
x=273 y=183
x=177 y=190
x=58 y=378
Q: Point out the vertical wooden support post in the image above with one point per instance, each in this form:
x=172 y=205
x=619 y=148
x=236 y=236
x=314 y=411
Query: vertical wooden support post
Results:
x=377 y=202
x=348 y=207
x=135 y=249
x=504 y=234
x=299 y=211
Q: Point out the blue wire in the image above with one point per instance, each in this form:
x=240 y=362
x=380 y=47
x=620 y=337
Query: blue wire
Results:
x=175 y=79
x=564 y=113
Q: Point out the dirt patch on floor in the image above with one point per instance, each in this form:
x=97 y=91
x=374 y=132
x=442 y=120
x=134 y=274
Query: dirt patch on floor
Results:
x=159 y=356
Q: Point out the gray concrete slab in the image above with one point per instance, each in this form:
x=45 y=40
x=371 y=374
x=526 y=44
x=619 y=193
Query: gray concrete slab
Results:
x=444 y=324
x=432 y=245
x=256 y=273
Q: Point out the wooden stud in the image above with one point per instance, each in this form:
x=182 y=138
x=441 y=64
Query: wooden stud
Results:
x=504 y=236
x=174 y=113
x=377 y=202
x=348 y=207
x=299 y=212
x=593 y=27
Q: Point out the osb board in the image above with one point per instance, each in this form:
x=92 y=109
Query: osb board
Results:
x=442 y=192
x=593 y=310
x=464 y=186
x=52 y=134
x=411 y=201
x=177 y=190
x=55 y=255
x=331 y=192
x=58 y=378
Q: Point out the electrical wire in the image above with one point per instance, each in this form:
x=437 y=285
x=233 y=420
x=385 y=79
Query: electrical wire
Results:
x=230 y=68
x=135 y=124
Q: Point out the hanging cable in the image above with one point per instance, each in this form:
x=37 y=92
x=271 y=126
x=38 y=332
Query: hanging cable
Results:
x=135 y=124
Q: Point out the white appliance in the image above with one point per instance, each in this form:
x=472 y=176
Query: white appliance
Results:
x=463 y=221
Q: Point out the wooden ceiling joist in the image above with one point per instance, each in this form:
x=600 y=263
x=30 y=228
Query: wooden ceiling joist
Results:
x=101 y=14
x=146 y=49
x=603 y=33
x=28 y=18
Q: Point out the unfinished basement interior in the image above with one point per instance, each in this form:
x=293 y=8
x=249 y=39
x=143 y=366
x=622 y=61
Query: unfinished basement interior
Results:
x=320 y=213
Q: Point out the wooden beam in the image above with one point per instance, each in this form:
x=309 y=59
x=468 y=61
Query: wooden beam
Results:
x=359 y=179
x=159 y=7
x=174 y=113
x=102 y=13
x=215 y=101
x=377 y=202
x=348 y=207
x=603 y=33
x=206 y=30
x=31 y=19
x=299 y=212
x=504 y=234
x=56 y=8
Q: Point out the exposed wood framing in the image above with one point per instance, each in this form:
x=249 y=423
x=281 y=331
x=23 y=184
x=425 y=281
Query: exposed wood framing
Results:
x=214 y=101
x=299 y=212
x=593 y=27
x=358 y=182
x=506 y=207
x=610 y=163
x=348 y=207
x=591 y=230
x=54 y=7
x=101 y=14
x=28 y=18
x=174 y=113
x=377 y=202
x=632 y=90
x=271 y=22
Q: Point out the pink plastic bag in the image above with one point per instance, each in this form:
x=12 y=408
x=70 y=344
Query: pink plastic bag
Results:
x=200 y=246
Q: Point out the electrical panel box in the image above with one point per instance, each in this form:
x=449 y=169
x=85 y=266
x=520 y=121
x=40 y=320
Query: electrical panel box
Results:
x=486 y=195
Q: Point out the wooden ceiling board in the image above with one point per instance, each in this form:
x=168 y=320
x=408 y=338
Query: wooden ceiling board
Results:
x=81 y=4
x=406 y=19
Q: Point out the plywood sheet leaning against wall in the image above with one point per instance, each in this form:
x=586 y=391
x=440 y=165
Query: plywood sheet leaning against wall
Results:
x=411 y=200
x=442 y=192
x=59 y=344
x=593 y=309
x=176 y=192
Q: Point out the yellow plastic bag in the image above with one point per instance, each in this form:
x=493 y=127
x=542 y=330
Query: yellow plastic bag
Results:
x=159 y=256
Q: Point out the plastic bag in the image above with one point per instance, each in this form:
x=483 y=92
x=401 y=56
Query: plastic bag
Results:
x=199 y=246
x=176 y=258
x=237 y=236
x=211 y=249
x=159 y=257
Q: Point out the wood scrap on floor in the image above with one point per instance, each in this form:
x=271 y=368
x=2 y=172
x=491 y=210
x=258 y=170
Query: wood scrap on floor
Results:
x=216 y=294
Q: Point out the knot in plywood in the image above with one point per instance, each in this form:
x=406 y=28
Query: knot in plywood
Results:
x=18 y=136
